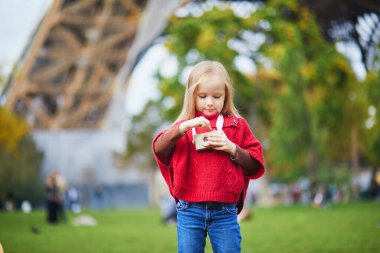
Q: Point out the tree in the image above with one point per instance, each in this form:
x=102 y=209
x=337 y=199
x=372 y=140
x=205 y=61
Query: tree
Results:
x=313 y=115
x=372 y=126
x=19 y=160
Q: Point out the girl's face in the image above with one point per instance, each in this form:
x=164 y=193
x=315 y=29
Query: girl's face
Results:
x=210 y=95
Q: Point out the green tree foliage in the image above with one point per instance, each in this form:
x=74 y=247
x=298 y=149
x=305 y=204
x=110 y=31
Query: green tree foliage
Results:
x=19 y=160
x=372 y=129
x=319 y=107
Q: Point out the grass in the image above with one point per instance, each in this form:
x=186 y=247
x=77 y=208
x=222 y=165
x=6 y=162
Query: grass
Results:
x=348 y=228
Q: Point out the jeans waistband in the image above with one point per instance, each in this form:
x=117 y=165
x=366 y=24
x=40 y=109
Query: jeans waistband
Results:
x=212 y=204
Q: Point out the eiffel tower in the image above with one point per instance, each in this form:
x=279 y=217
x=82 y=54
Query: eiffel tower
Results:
x=67 y=79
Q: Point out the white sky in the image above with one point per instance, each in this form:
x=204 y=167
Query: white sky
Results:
x=17 y=21
x=142 y=85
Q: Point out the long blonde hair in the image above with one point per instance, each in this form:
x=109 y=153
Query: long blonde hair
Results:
x=199 y=70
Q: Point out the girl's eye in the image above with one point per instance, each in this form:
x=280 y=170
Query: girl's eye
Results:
x=217 y=97
x=202 y=96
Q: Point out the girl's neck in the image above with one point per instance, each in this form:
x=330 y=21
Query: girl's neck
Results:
x=209 y=117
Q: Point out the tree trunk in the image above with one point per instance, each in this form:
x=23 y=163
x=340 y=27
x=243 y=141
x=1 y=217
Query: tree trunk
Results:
x=355 y=169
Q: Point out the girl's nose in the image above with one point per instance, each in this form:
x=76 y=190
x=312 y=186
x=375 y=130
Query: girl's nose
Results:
x=209 y=101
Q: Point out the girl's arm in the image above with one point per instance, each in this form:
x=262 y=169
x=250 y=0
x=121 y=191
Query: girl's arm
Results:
x=164 y=144
x=245 y=160
x=252 y=147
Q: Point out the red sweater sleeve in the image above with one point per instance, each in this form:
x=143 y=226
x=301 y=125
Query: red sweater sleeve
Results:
x=164 y=143
x=162 y=147
x=251 y=146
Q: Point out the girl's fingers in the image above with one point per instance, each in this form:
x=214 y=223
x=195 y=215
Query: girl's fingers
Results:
x=206 y=123
x=216 y=141
x=203 y=122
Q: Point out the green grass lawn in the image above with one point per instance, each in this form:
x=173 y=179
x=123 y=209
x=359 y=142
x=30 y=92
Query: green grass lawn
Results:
x=343 y=228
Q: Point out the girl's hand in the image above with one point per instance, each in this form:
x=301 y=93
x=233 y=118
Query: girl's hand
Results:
x=196 y=122
x=221 y=142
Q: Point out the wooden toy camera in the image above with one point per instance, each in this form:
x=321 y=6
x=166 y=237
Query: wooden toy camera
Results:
x=200 y=140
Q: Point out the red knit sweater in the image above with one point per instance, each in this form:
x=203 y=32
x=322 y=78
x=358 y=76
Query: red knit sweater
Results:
x=211 y=175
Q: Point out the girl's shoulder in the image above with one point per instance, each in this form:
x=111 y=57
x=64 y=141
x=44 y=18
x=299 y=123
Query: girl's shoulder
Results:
x=231 y=120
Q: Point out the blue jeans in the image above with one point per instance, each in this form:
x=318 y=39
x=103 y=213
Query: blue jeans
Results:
x=219 y=220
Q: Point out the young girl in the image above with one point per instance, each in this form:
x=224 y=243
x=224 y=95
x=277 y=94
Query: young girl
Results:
x=208 y=174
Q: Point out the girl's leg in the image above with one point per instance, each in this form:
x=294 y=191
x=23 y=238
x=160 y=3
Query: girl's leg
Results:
x=190 y=228
x=224 y=230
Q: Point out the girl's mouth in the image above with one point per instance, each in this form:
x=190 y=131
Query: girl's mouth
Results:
x=210 y=110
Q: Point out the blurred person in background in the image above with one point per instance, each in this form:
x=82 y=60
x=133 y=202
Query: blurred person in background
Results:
x=52 y=198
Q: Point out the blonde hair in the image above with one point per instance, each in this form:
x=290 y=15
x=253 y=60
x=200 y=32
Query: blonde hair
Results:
x=199 y=71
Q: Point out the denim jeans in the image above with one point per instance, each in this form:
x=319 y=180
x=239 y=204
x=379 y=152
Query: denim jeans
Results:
x=218 y=220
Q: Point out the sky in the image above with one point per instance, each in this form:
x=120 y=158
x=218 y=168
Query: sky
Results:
x=142 y=85
x=18 y=19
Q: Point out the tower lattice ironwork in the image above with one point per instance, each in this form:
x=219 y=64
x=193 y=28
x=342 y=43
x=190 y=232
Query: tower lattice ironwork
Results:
x=67 y=77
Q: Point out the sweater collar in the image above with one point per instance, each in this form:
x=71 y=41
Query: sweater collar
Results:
x=209 y=117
